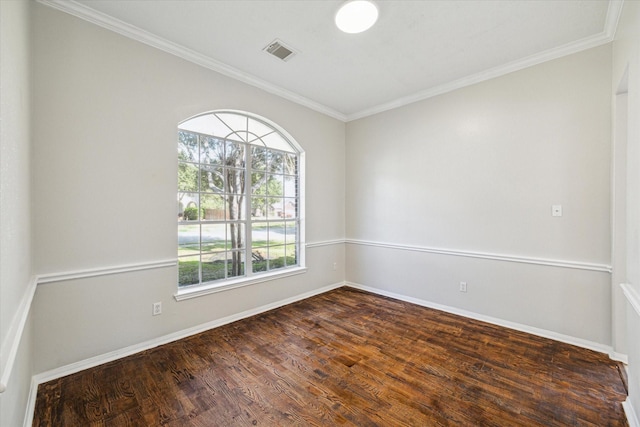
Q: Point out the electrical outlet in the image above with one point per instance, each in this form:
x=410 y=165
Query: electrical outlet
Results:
x=157 y=308
x=335 y=266
x=463 y=286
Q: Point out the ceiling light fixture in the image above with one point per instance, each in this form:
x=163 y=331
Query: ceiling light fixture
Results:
x=356 y=16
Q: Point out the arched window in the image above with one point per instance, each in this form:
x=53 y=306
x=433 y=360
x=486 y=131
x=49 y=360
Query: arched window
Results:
x=239 y=200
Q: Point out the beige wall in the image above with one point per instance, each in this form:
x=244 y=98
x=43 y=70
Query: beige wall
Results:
x=106 y=110
x=477 y=170
x=626 y=70
x=15 y=207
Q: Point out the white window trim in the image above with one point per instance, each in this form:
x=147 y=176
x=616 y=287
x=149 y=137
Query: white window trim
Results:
x=194 y=291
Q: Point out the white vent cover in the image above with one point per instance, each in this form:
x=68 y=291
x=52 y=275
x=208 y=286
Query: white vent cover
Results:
x=279 y=50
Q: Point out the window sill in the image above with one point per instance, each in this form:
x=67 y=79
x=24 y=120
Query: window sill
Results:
x=212 y=288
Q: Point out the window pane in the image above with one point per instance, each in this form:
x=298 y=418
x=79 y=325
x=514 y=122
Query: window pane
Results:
x=236 y=206
x=213 y=207
x=258 y=158
x=258 y=183
x=259 y=234
x=188 y=239
x=276 y=233
x=235 y=263
x=276 y=257
x=212 y=150
x=214 y=238
x=187 y=177
x=290 y=208
x=211 y=179
x=275 y=208
x=276 y=141
x=259 y=128
x=291 y=232
x=213 y=267
x=188 y=204
x=235 y=235
x=277 y=162
x=290 y=186
x=259 y=260
x=234 y=181
x=234 y=121
x=184 y=200
x=275 y=185
x=187 y=147
x=188 y=270
x=290 y=164
x=207 y=124
x=259 y=188
x=291 y=252
x=258 y=207
x=234 y=154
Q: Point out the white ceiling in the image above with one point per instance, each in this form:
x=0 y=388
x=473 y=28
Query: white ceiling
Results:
x=416 y=50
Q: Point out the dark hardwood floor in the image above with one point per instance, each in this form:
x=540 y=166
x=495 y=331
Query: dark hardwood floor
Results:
x=345 y=358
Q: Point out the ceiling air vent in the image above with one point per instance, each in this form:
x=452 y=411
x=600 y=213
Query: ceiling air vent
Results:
x=279 y=50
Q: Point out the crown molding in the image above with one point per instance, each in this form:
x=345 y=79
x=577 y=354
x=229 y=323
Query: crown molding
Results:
x=613 y=17
x=606 y=36
x=105 y=21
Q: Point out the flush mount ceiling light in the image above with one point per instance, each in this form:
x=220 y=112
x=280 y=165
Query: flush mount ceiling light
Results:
x=356 y=16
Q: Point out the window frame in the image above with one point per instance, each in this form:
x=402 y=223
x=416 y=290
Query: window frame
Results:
x=249 y=276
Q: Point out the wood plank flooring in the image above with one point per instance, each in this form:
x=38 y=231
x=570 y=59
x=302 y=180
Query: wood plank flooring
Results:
x=349 y=358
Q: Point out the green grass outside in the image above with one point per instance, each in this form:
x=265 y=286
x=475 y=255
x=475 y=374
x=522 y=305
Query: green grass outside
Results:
x=211 y=271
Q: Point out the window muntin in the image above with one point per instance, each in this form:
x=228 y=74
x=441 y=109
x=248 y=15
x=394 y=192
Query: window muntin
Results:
x=227 y=229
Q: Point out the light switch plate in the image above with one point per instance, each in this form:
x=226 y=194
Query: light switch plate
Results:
x=556 y=210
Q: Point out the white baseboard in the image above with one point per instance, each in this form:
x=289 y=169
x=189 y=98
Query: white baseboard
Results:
x=9 y=347
x=632 y=297
x=630 y=413
x=31 y=403
x=136 y=348
x=619 y=357
x=579 y=342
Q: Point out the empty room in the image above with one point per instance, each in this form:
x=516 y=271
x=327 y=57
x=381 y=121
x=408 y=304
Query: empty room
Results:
x=441 y=224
